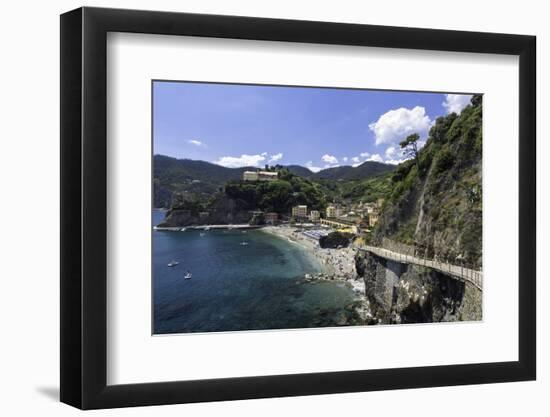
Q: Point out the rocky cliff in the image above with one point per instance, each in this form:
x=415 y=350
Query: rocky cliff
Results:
x=435 y=203
x=402 y=293
x=220 y=209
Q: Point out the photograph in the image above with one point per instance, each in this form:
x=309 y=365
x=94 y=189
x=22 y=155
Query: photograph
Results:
x=292 y=207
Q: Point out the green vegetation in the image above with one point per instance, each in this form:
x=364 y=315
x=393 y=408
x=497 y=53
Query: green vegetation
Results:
x=410 y=146
x=436 y=198
x=279 y=195
x=199 y=180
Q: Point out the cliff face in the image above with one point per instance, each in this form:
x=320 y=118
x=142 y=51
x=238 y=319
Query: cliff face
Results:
x=402 y=293
x=220 y=210
x=436 y=201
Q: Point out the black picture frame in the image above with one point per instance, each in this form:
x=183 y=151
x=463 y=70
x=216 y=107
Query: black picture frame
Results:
x=84 y=207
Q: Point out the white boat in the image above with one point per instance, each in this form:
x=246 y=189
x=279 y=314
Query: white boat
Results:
x=173 y=263
x=244 y=243
x=183 y=229
x=207 y=228
x=188 y=275
x=202 y=234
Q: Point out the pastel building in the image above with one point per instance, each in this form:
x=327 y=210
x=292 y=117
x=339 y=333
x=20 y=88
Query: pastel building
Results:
x=314 y=216
x=299 y=211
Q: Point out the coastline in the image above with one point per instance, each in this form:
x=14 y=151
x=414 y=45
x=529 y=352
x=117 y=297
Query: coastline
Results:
x=339 y=264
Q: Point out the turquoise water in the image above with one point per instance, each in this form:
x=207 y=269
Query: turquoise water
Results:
x=236 y=287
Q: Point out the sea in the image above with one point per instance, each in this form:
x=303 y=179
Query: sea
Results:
x=259 y=285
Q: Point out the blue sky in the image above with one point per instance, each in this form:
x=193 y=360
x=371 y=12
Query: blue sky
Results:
x=250 y=125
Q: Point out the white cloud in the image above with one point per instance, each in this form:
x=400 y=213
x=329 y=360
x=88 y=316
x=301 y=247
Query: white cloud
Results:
x=390 y=152
x=394 y=161
x=329 y=159
x=376 y=158
x=309 y=165
x=356 y=164
x=264 y=154
x=195 y=142
x=395 y=125
x=345 y=159
x=364 y=154
x=240 y=161
x=276 y=157
x=454 y=103
x=355 y=159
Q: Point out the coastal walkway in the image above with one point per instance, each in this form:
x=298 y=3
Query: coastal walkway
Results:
x=459 y=272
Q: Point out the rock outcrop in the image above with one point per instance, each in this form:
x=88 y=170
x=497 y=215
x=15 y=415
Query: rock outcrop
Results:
x=403 y=293
x=221 y=210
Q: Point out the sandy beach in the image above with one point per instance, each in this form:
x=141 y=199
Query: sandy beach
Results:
x=339 y=264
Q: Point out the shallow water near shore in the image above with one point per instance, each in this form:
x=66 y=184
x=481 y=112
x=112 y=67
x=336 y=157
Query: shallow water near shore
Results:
x=258 y=286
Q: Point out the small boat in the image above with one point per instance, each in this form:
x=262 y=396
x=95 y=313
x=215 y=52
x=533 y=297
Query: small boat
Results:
x=244 y=231
x=183 y=229
x=244 y=243
x=173 y=263
x=188 y=275
x=207 y=228
x=202 y=234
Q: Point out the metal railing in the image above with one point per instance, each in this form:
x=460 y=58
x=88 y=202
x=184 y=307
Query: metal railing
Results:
x=456 y=271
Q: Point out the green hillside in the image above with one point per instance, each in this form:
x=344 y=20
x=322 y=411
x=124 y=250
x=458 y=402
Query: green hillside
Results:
x=435 y=200
x=346 y=172
x=200 y=179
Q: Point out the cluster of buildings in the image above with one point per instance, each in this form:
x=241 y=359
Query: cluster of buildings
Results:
x=338 y=216
x=300 y=213
x=363 y=214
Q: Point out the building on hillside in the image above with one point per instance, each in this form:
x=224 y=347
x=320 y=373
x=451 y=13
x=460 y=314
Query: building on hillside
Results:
x=267 y=176
x=350 y=218
x=259 y=176
x=299 y=212
x=314 y=216
x=339 y=211
x=271 y=218
x=331 y=212
x=340 y=225
x=250 y=176
x=373 y=218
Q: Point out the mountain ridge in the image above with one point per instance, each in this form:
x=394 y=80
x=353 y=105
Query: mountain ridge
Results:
x=204 y=178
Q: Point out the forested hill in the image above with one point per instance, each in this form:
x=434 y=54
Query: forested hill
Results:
x=365 y=170
x=202 y=178
x=435 y=201
x=197 y=177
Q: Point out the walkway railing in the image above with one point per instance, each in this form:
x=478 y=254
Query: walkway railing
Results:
x=465 y=274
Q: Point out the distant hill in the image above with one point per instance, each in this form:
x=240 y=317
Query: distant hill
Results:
x=365 y=170
x=204 y=178
x=299 y=170
x=182 y=169
x=197 y=177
